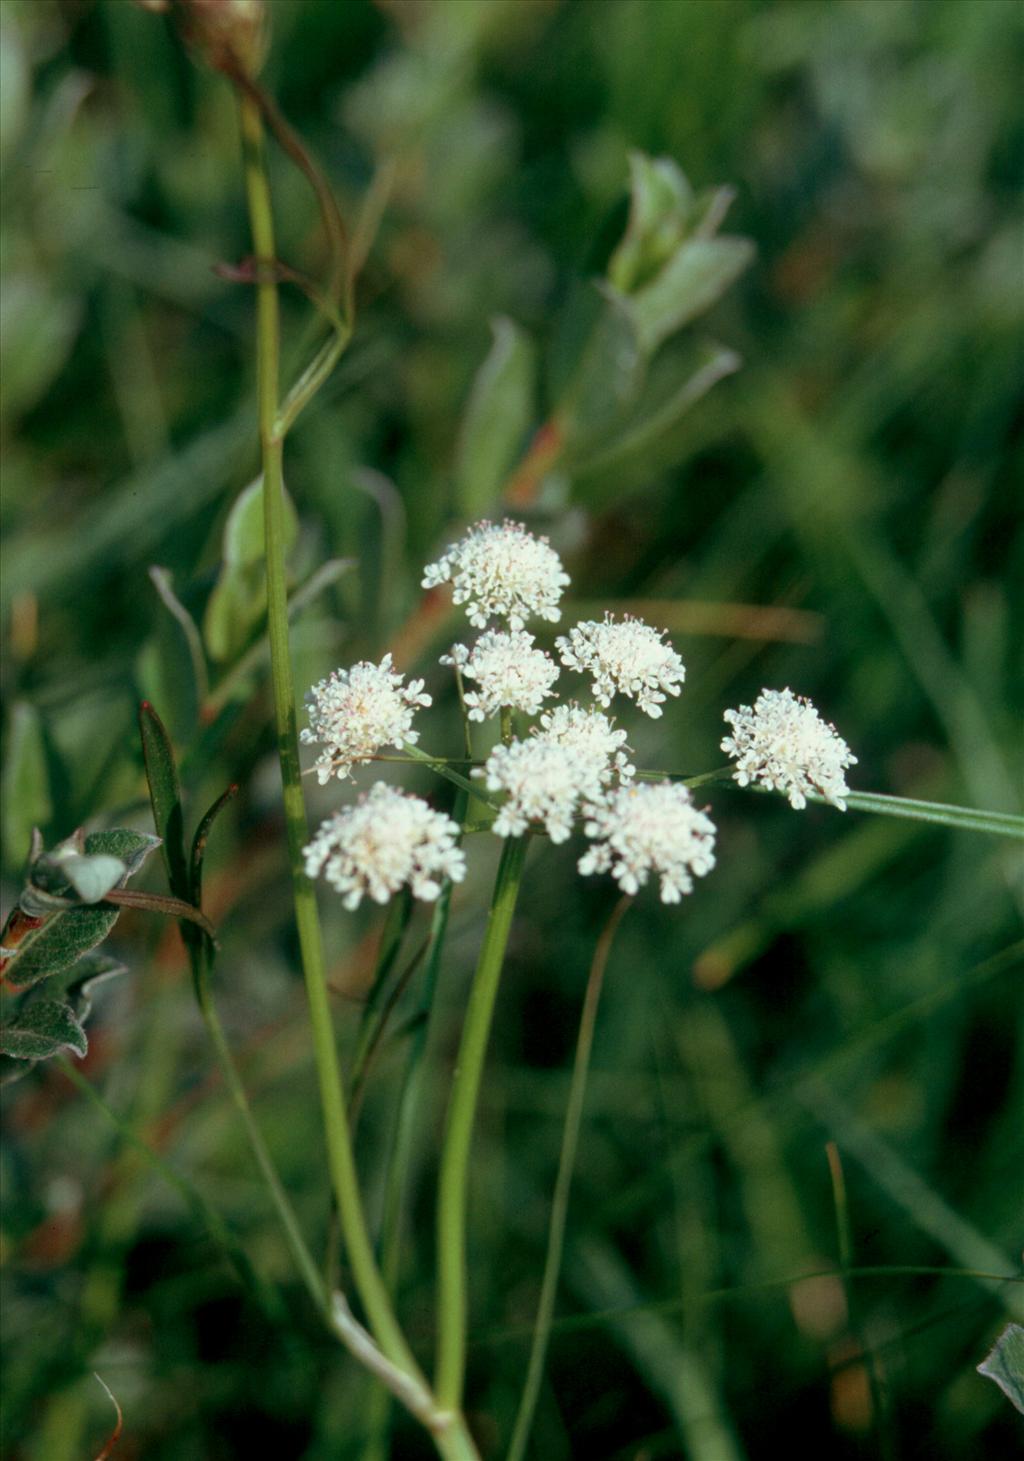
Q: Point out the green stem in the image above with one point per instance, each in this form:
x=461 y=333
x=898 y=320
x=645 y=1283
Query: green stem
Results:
x=563 y=1184
x=400 y=1155
x=341 y=1159
x=452 y=1195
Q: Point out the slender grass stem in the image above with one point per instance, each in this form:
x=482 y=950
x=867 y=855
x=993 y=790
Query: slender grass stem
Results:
x=563 y=1185
x=216 y=1227
x=452 y=1194
x=341 y=1159
x=286 y=1214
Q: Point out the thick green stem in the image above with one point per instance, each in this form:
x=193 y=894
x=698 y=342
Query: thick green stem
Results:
x=452 y=1196
x=341 y=1160
x=563 y=1184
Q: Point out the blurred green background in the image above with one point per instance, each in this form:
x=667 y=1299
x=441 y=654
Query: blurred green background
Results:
x=836 y=979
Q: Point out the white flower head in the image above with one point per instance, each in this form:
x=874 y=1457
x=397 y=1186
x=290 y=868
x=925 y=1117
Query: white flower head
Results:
x=510 y=671
x=353 y=713
x=386 y=840
x=784 y=745
x=501 y=571
x=543 y=782
x=650 y=827
x=590 y=736
x=624 y=657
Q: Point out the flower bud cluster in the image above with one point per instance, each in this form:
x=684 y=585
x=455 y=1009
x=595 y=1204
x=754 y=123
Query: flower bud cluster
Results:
x=570 y=768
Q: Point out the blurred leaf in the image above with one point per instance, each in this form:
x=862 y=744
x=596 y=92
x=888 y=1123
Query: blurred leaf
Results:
x=163 y=582
x=1005 y=1364
x=497 y=418
x=653 y=435
x=660 y=202
x=37 y=327
x=80 y=981
x=164 y=796
x=607 y=377
x=239 y=598
x=26 y=783
x=41 y=1030
x=243 y=531
x=697 y=274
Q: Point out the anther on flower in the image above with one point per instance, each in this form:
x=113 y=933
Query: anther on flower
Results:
x=590 y=736
x=543 y=782
x=509 y=671
x=624 y=657
x=651 y=827
x=386 y=840
x=353 y=713
x=784 y=745
x=501 y=571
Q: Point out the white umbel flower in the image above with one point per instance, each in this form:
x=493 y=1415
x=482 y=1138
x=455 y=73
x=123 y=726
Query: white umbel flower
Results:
x=386 y=840
x=650 y=827
x=590 y=736
x=624 y=657
x=543 y=782
x=784 y=745
x=510 y=671
x=353 y=713
x=501 y=571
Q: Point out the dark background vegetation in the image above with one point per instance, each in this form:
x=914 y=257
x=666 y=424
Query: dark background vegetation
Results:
x=833 y=980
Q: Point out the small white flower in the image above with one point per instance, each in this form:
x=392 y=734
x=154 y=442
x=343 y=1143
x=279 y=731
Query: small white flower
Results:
x=590 y=736
x=501 y=572
x=386 y=840
x=353 y=713
x=543 y=782
x=624 y=657
x=510 y=671
x=783 y=744
x=650 y=827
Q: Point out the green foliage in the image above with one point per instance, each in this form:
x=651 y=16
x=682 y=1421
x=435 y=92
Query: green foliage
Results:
x=841 y=515
x=498 y=415
x=41 y=1030
x=1005 y=1364
x=238 y=601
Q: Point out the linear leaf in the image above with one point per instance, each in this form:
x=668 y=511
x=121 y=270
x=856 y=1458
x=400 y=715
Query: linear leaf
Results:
x=164 y=796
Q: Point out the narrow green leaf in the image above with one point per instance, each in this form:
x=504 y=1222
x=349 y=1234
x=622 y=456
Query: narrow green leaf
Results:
x=1005 y=1364
x=497 y=418
x=41 y=1030
x=697 y=274
x=164 y=796
x=26 y=783
x=199 y=842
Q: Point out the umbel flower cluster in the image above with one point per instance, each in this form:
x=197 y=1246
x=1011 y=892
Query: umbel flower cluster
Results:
x=560 y=767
